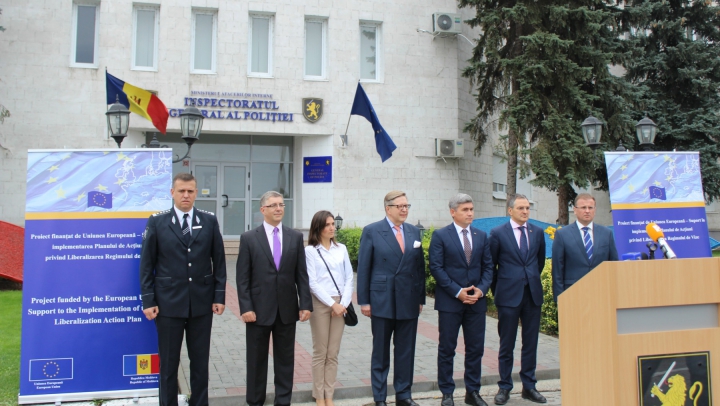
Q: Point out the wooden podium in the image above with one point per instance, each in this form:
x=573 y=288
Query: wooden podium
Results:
x=622 y=310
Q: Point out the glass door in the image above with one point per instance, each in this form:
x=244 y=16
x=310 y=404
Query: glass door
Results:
x=223 y=190
x=234 y=195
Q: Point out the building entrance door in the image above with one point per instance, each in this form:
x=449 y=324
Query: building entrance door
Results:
x=223 y=189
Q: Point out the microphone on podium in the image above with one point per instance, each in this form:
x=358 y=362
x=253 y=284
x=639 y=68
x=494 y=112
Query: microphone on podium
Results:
x=656 y=234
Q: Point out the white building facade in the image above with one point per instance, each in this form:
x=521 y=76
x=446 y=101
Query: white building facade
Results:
x=248 y=66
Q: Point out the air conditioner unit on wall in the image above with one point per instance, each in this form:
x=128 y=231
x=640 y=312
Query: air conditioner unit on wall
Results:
x=449 y=148
x=447 y=23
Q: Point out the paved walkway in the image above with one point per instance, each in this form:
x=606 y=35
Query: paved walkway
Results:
x=227 y=358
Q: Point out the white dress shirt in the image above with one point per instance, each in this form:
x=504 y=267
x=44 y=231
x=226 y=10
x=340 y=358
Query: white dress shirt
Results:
x=518 y=233
x=269 y=233
x=321 y=284
x=582 y=233
x=180 y=215
x=460 y=235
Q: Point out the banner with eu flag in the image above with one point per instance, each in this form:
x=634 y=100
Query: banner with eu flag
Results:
x=85 y=214
x=663 y=188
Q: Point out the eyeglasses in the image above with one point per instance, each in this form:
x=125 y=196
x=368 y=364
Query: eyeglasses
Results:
x=401 y=206
x=275 y=206
x=586 y=208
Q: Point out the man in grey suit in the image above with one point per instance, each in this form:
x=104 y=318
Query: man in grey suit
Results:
x=581 y=246
x=182 y=284
x=391 y=291
x=273 y=293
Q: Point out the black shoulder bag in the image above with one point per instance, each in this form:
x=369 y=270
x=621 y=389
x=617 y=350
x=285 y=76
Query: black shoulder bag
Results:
x=351 y=318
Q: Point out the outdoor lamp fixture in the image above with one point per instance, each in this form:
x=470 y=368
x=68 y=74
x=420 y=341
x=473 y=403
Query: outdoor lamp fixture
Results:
x=338 y=221
x=646 y=130
x=421 y=228
x=191 y=121
x=592 y=131
x=118 y=120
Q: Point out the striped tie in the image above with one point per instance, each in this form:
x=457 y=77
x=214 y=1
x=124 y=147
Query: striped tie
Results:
x=588 y=242
x=186 y=228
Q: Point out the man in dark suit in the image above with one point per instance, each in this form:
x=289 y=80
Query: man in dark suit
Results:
x=518 y=253
x=274 y=293
x=581 y=246
x=391 y=291
x=182 y=283
x=461 y=263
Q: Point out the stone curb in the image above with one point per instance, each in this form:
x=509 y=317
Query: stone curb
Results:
x=354 y=392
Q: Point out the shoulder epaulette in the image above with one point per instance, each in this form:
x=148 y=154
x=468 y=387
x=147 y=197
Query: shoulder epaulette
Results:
x=205 y=211
x=162 y=212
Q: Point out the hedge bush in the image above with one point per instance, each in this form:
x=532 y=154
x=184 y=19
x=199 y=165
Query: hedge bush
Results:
x=351 y=238
x=548 y=322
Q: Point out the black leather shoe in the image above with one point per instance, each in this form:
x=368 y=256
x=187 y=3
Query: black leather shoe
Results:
x=533 y=396
x=447 y=400
x=380 y=403
x=406 y=402
x=473 y=398
x=502 y=396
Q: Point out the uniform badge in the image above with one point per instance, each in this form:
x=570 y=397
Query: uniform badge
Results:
x=144 y=234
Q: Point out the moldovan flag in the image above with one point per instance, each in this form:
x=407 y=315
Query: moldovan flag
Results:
x=138 y=100
x=143 y=364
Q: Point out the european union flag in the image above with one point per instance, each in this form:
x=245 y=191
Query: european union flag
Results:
x=53 y=369
x=100 y=199
x=657 y=192
x=362 y=107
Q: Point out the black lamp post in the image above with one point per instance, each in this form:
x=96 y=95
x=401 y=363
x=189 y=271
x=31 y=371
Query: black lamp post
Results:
x=338 y=221
x=421 y=228
x=118 y=120
x=191 y=121
x=646 y=131
x=592 y=131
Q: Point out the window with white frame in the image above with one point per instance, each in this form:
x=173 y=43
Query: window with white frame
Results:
x=499 y=176
x=261 y=43
x=315 y=48
x=145 y=38
x=85 y=35
x=204 y=40
x=370 y=51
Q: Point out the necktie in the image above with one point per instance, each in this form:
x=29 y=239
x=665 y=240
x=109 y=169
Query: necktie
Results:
x=186 y=228
x=523 y=242
x=277 y=249
x=399 y=237
x=466 y=246
x=588 y=242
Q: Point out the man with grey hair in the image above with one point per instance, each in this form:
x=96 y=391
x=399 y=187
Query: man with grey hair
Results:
x=391 y=291
x=273 y=293
x=461 y=263
x=518 y=255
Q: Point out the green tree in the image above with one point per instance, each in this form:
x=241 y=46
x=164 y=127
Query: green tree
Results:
x=555 y=55
x=676 y=63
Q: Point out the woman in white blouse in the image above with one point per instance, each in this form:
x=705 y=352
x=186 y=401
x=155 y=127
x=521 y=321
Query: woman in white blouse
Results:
x=330 y=299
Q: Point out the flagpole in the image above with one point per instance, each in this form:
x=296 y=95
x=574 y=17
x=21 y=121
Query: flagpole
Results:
x=343 y=138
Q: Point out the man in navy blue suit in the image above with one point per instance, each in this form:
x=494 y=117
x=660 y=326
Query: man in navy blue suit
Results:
x=581 y=246
x=518 y=253
x=461 y=263
x=391 y=291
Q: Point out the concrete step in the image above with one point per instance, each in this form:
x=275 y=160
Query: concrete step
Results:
x=232 y=247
